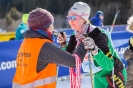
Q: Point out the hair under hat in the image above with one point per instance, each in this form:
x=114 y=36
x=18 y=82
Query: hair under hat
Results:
x=81 y=9
x=40 y=19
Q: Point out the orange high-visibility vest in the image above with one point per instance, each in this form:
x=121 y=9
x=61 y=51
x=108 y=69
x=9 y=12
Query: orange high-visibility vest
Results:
x=26 y=75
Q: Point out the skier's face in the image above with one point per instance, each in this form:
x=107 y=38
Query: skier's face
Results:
x=75 y=21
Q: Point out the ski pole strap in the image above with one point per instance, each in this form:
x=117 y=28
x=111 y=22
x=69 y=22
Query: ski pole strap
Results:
x=75 y=74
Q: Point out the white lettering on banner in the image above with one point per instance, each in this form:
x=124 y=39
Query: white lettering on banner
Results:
x=3 y=65
x=8 y=65
x=120 y=50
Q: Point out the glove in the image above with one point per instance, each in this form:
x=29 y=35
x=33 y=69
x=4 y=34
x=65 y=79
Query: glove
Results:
x=89 y=44
x=72 y=44
x=131 y=43
x=61 y=38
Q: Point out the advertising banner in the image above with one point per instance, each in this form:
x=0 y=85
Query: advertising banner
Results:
x=8 y=52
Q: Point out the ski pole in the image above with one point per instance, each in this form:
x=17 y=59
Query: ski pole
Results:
x=89 y=55
x=111 y=29
x=91 y=75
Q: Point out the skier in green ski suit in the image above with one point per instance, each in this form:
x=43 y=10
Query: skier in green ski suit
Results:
x=112 y=73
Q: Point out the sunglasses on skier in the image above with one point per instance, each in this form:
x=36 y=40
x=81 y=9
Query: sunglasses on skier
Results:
x=72 y=17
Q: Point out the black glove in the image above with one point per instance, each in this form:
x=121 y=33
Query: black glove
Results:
x=72 y=44
x=61 y=38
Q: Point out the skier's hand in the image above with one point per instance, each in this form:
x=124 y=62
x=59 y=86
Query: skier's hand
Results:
x=90 y=45
x=61 y=38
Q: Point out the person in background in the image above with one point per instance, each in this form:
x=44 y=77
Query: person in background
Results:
x=112 y=73
x=97 y=19
x=128 y=55
x=22 y=27
x=37 y=56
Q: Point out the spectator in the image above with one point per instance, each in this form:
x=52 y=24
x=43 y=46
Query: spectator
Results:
x=22 y=27
x=128 y=55
x=97 y=19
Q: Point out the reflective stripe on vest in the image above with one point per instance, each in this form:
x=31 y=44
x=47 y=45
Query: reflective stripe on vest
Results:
x=36 y=83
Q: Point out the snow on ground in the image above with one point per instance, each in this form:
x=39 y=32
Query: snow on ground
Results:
x=65 y=83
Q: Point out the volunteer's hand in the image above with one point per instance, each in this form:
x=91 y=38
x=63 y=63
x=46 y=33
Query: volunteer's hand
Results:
x=90 y=45
x=61 y=38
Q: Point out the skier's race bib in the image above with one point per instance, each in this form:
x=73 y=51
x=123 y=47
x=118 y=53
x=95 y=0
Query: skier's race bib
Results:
x=88 y=65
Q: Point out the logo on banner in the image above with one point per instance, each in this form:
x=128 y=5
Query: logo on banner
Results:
x=7 y=65
x=120 y=50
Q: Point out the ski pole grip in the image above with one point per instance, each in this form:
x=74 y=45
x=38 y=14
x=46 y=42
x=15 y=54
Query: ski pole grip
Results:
x=85 y=35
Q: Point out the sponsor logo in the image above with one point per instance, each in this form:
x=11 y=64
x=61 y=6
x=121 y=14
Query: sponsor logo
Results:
x=120 y=50
x=84 y=14
x=7 y=65
x=74 y=8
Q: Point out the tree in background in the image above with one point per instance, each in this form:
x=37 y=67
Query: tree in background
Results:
x=131 y=9
x=61 y=7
